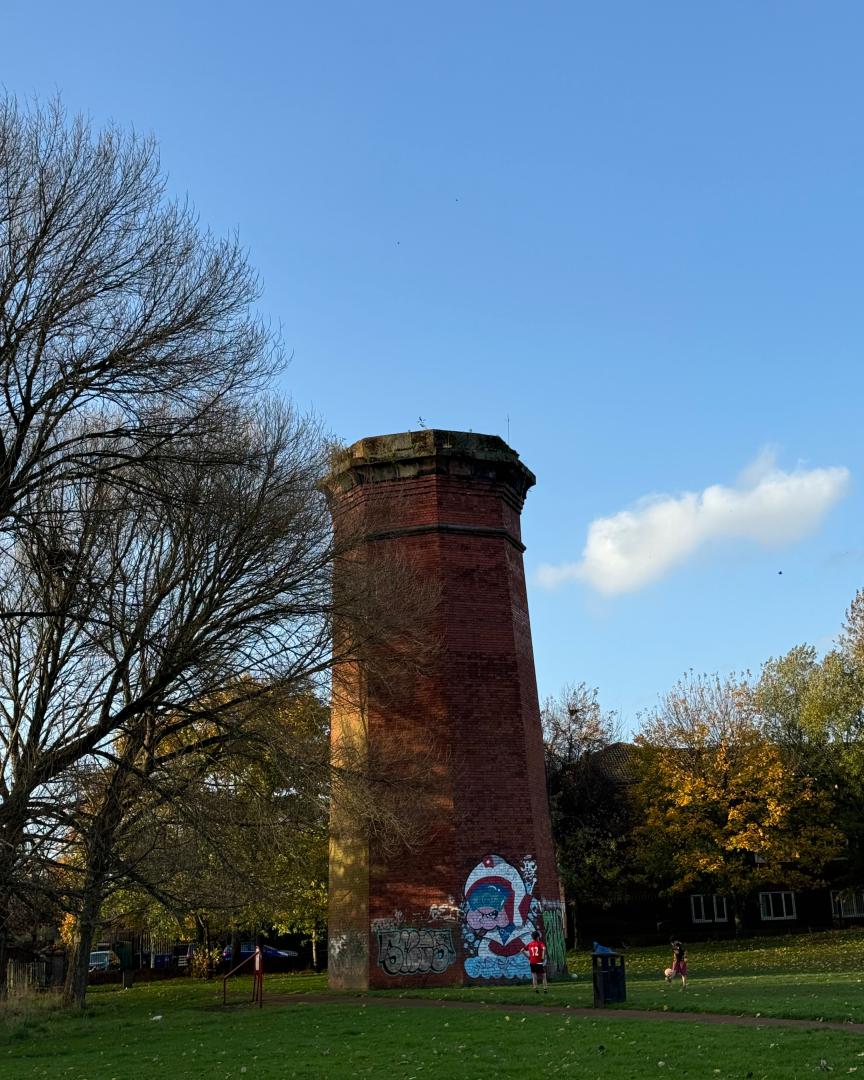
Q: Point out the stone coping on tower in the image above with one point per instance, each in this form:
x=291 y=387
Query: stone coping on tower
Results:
x=430 y=451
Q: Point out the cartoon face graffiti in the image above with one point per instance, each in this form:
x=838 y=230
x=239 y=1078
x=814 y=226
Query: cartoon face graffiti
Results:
x=499 y=916
x=490 y=904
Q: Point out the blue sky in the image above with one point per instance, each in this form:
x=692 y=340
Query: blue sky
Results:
x=634 y=229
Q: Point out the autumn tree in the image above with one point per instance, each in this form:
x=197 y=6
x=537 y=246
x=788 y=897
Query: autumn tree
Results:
x=813 y=710
x=723 y=809
x=242 y=844
x=848 y=669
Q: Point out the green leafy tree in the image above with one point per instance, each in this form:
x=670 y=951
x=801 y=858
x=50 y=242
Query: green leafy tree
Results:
x=813 y=711
x=589 y=795
x=852 y=636
x=242 y=843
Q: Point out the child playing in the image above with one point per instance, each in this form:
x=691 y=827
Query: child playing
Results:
x=537 y=959
x=679 y=963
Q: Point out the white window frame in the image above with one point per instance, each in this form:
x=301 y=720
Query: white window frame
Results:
x=713 y=904
x=698 y=900
x=769 y=901
x=845 y=906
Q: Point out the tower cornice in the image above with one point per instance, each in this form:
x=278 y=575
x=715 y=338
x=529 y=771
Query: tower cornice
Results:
x=411 y=455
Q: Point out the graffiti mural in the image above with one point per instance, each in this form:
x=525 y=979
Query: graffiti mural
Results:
x=408 y=951
x=499 y=915
x=528 y=869
x=347 y=953
x=553 y=927
x=448 y=912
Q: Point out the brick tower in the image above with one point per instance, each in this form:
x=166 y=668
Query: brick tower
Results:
x=457 y=908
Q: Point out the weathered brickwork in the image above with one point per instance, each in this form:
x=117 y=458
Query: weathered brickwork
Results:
x=459 y=908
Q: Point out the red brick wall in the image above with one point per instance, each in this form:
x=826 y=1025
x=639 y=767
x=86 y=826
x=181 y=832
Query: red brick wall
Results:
x=474 y=718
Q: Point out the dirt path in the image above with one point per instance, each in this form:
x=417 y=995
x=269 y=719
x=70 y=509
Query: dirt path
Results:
x=559 y=1010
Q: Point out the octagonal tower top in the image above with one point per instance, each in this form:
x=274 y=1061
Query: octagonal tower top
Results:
x=410 y=455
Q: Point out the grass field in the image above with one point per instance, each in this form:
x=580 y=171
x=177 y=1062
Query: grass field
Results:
x=808 y=976
x=173 y=1029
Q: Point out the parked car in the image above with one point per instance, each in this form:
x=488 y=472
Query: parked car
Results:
x=104 y=960
x=247 y=948
x=183 y=954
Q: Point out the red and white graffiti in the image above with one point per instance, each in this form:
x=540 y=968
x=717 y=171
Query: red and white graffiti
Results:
x=500 y=915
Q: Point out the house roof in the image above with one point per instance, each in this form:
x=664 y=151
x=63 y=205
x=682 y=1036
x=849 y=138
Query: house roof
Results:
x=616 y=762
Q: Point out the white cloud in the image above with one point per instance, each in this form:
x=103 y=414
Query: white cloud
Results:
x=634 y=547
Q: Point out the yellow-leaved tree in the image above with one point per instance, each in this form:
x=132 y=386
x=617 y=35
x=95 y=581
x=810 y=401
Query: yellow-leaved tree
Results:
x=723 y=809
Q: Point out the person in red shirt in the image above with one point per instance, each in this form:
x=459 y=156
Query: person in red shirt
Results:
x=537 y=959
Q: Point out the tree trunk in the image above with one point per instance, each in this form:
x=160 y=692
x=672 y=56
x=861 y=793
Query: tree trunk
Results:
x=5 y=904
x=99 y=847
x=202 y=941
x=75 y=990
x=208 y=946
x=10 y=843
x=315 y=949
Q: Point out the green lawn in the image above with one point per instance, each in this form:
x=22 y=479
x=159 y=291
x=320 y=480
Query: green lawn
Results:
x=805 y=975
x=172 y=1029
x=808 y=976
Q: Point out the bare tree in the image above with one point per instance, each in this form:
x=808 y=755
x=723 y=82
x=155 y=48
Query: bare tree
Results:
x=112 y=302
x=168 y=612
x=574 y=724
x=165 y=549
x=127 y=335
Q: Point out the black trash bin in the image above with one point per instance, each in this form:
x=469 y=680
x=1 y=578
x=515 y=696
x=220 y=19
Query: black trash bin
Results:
x=610 y=985
x=128 y=978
